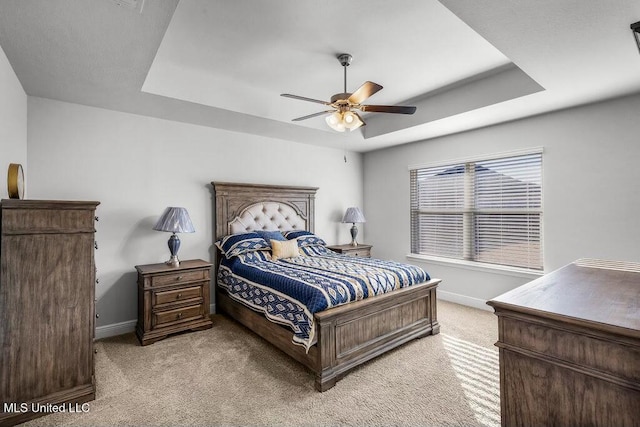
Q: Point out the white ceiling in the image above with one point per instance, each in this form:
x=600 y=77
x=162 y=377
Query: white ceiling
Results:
x=222 y=56
x=463 y=63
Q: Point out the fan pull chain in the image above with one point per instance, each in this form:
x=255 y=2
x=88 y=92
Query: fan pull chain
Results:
x=344 y=152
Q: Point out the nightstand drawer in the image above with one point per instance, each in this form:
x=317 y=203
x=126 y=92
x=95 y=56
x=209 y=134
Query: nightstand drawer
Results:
x=177 y=295
x=184 y=314
x=179 y=277
x=360 y=252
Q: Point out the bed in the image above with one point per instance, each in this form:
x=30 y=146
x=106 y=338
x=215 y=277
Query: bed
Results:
x=344 y=336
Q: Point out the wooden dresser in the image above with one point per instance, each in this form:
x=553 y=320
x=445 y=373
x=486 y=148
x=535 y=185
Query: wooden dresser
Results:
x=172 y=299
x=47 y=306
x=348 y=249
x=570 y=347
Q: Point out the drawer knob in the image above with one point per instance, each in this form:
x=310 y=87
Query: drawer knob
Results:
x=97 y=316
x=179 y=296
x=179 y=278
x=179 y=316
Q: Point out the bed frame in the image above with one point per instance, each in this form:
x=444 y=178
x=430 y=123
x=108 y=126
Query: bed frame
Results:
x=347 y=335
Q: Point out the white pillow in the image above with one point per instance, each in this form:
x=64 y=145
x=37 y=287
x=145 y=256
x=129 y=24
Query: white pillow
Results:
x=284 y=249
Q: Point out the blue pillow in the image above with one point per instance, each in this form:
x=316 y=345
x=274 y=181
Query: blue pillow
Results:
x=268 y=236
x=305 y=238
x=236 y=244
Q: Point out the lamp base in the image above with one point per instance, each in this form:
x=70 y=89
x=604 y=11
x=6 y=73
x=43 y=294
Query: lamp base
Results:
x=174 y=245
x=173 y=261
x=354 y=234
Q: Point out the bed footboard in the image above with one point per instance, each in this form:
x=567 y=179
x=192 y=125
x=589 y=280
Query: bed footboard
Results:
x=352 y=334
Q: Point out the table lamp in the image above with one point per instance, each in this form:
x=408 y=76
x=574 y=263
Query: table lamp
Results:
x=353 y=215
x=174 y=220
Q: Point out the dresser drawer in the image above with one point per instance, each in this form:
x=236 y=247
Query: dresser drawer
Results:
x=177 y=295
x=179 y=277
x=184 y=314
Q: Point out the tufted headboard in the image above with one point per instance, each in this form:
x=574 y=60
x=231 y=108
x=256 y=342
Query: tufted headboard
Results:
x=247 y=207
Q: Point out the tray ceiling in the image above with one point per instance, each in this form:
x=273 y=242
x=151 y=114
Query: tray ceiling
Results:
x=464 y=64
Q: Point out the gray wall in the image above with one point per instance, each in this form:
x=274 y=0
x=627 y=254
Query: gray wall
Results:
x=136 y=166
x=13 y=122
x=590 y=184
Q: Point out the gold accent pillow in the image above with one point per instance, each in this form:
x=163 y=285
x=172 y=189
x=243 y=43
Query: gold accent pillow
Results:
x=284 y=249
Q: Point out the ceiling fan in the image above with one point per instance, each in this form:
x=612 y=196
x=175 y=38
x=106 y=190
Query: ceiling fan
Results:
x=343 y=116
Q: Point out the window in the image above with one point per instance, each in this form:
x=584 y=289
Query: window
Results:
x=487 y=211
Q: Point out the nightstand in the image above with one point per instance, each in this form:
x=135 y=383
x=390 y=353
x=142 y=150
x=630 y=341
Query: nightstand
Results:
x=348 y=249
x=172 y=299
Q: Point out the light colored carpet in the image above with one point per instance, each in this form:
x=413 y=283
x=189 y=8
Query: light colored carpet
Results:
x=228 y=376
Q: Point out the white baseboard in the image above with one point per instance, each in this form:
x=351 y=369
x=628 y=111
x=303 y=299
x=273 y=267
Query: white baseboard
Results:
x=464 y=300
x=122 y=328
x=114 y=329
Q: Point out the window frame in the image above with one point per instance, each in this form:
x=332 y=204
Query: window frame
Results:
x=469 y=211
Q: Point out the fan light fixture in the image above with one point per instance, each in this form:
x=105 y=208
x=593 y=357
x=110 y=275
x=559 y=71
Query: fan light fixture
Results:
x=343 y=120
x=635 y=29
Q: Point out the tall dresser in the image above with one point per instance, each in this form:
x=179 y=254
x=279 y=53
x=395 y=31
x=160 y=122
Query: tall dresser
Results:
x=47 y=309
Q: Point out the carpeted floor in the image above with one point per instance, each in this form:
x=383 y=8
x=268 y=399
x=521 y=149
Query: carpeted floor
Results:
x=228 y=376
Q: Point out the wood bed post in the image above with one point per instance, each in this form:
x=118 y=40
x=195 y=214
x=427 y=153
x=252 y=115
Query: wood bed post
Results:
x=433 y=314
x=326 y=376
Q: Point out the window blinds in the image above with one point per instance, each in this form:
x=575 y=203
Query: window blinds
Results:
x=487 y=211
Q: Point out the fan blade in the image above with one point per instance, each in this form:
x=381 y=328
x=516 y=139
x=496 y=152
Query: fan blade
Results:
x=363 y=92
x=302 y=98
x=397 y=109
x=312 y=115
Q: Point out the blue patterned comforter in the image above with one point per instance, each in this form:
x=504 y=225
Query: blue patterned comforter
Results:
x=289 y=291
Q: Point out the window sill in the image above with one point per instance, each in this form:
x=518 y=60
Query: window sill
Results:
x=478 y=266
